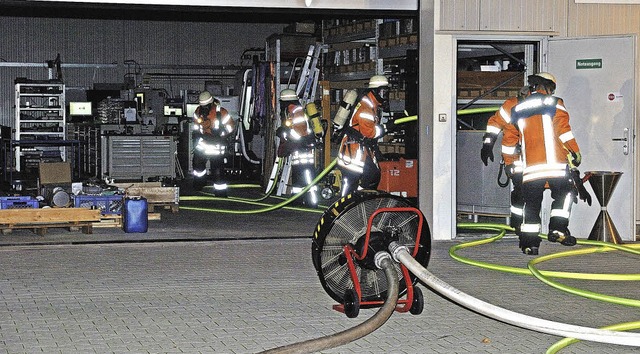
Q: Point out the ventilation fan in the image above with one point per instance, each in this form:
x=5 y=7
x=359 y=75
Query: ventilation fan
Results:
x=346 y=239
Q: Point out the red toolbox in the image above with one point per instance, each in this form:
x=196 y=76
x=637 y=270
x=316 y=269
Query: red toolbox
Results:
x=399 y=177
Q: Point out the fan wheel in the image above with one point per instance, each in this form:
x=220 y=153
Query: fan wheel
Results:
x=345 y=223
x=351 y=303
x=418 y=302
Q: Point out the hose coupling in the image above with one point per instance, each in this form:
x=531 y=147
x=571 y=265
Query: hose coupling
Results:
x=380 y=257
x=395 y=248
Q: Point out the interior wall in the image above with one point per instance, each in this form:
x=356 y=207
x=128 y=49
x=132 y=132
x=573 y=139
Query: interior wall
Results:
x=101 y=48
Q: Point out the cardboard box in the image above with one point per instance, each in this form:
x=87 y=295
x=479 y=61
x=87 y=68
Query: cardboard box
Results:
x=55 y=172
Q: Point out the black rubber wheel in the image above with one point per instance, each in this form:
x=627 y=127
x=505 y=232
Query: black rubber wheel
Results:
x=345 y=222
x=417 y=305
x=351 y=303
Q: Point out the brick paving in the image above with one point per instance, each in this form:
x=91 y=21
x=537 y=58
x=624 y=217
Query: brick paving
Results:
x=243 y=285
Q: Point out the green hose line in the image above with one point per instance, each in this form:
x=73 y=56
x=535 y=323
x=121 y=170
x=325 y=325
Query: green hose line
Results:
x=561 y=344
x=275 y=206
x=545 y=276
x=405 y=119
x=575 y=291
x=525 y=271
x=462 y=112
x=209 y=197
x=244 y=185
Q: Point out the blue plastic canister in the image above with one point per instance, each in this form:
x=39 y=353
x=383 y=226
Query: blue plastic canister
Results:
x=135 y=217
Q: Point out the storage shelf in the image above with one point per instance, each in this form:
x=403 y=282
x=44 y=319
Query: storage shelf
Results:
x=39 y=105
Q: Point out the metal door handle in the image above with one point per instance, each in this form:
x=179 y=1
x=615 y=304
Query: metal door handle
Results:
x=625 y=138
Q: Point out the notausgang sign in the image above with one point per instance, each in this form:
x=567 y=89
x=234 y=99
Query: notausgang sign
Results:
x=589 y=64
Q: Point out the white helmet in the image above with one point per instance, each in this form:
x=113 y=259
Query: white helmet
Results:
x=288 y=95
x=378 y=81
x=205 y=98
x=544 y=79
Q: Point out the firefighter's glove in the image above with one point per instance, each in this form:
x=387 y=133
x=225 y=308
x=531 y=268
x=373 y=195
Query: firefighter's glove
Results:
x=583 y=194
x=281 y=132
x=509 y=170
x=336 y=133
x=575 y=159
x=486 y=153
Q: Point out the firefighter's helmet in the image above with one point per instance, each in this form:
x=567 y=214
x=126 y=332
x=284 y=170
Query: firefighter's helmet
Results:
x=288 y=95
x=378 y=81
x=205 y=98
x=543 y=79
x=379 y=84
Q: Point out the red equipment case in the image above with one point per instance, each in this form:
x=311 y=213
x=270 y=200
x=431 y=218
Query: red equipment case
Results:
x=399 y=177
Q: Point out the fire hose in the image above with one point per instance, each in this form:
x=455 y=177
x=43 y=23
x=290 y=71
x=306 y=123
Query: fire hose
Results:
x=384 y=262
x=402 y=255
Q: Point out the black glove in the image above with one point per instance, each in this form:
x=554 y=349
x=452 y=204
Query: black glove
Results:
x=486 y=153
x=583 y=194
x=337 y=133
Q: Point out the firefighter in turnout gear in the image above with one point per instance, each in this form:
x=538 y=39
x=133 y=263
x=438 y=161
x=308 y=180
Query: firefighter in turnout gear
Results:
x=213 y=133
x=495 y=125
x=359 y=152
x=540 y=126
x=298 y=141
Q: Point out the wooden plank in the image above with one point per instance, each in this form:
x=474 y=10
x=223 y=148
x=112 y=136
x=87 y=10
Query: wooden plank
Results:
x=156 y=194
x=48 y=215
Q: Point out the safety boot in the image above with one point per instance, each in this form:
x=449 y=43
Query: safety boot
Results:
x=564 y=239
x=530 y=251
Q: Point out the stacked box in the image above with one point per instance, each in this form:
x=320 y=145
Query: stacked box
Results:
x=18 y=203
x=108 y=204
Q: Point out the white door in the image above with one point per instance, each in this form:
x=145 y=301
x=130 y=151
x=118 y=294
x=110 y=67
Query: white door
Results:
x=596 y=80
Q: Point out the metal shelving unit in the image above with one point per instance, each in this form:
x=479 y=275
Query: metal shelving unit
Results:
x=39 y=116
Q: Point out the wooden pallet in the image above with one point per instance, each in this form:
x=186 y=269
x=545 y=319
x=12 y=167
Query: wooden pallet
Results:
x=40 y=220
x=158 y=197
x=116 y=220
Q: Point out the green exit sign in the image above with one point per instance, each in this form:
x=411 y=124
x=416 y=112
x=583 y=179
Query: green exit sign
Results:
x=589 y=64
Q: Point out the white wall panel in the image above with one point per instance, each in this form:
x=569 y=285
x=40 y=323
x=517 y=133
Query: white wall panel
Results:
x=518 y=15
x=459 y=15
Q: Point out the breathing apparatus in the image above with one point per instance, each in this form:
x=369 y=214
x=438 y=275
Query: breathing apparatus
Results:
x=344 y=111
x=314 y=119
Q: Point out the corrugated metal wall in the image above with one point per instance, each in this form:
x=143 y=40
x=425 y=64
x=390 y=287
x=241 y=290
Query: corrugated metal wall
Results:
x=155 y=45
x=502 y=15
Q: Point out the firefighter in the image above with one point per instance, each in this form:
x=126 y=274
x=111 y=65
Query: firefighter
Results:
x=359 y=153
x=540 y=126
x=298 y=141
x=495 y=125
x=213 y=130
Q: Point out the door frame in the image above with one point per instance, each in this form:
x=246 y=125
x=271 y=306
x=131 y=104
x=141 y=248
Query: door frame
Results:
x=445 y=140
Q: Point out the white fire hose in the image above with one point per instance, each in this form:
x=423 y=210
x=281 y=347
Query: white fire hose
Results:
x=401 y=254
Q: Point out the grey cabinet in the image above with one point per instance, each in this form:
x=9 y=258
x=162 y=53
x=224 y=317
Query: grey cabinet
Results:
x=138 y=157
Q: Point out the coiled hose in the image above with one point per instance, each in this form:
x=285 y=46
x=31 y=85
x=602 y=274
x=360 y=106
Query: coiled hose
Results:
x=402 y=255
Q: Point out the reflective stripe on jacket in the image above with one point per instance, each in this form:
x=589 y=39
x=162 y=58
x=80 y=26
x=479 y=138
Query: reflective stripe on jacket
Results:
x=544 y=134
x=365 y=120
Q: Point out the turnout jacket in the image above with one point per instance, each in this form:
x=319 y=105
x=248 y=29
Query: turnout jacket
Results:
x=540 y=124
x=359 y=140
